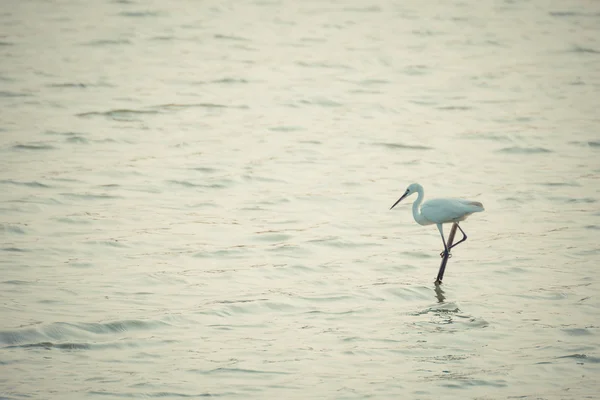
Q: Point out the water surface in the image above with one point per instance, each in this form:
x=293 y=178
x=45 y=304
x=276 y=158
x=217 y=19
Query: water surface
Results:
x=194 y=199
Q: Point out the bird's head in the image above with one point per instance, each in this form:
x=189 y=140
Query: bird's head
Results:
x=412 y=188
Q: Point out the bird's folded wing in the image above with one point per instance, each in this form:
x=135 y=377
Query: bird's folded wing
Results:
x=448 y=210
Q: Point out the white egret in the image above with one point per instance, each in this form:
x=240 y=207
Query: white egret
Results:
x=441 y=211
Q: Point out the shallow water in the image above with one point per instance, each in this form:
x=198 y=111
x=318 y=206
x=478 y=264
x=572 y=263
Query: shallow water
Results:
x=194 y=199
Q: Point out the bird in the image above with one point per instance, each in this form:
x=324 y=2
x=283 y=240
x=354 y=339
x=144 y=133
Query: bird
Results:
x=440 y=211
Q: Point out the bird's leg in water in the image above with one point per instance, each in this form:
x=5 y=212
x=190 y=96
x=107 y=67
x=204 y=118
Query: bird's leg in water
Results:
x=461 y=240
x=451 y=238
x=448 y=243
x=446 y=252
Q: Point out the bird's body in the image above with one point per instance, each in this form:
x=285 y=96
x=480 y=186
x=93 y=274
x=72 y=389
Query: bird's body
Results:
x=440 y=211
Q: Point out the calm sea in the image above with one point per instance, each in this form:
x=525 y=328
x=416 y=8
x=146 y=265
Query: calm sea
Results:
x=194 y=199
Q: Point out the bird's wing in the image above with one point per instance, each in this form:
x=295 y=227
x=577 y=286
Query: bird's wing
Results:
x=449 y=210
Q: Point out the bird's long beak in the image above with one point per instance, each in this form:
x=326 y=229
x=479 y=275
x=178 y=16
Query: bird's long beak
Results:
x=400 y=199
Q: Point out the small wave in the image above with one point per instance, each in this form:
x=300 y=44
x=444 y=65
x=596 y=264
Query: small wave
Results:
x=565 y=14
x=67 y=85
x=48 y=345
x=455 y=108
x=402 y=146
x=12 y=229
x=155 y=394
x=175 y=106
x=582 y=200
x=202 y=205
x=120 y=326
x=286 y=128
x=590 y=143
x=416 y=70
x=583 y=357
x=110 y=140
x=4 y=93
x=70 y=180
x=14 y=250
x=63 y=333
x=311 y=141
x=91 y=196
x=236 y=301
x=229 y=81
x=418 y=254
x=445 y=358
x=119 y=114
x=273 y=237
x=230 y=252
x=442 y=308
x=365 y=91
x=224 y=370
x=363 y=9
x=243 y=307
x=78 y=85
x=54 y=133
x=337 y=242
x=577 y=332
x=323 y=65
x=138 y=14
x=287 y=248
x=107 y=42
x=588 y=50
x=450 y=316
x=207 y=170
x=197 y=185
x=231 y=37
x=459 y=380
x=38 y=200
x=559 y=184
x=371 y=82
x=524 y=150
x=513 y=199
x=322 y=102
x=62 y=346
x=16 y=282
x=163 y=38
x=110 y=243
x=327 y=299
x=73 y=221
x=33 y=146
x=77 y=139
x=33 y=184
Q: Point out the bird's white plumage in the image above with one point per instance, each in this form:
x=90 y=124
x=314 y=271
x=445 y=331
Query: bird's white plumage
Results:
x=439 y=211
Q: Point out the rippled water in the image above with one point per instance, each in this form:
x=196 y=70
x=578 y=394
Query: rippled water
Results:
x=195 y=199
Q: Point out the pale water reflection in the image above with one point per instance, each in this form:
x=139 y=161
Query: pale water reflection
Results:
x=439 y=293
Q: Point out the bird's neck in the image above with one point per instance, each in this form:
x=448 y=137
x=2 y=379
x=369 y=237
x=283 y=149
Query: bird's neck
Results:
x=416 y=211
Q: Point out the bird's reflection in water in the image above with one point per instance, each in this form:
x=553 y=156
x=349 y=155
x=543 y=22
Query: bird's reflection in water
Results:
x=439 y=293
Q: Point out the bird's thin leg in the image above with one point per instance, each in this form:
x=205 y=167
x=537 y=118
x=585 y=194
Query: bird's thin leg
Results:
x=461 y=240
x=446 y=252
